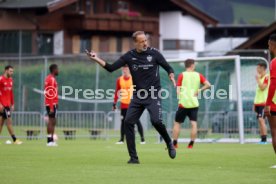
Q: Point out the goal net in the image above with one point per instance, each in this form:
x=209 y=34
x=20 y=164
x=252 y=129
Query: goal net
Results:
x=226 y=110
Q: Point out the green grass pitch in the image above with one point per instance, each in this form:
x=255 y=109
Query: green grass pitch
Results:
x=88 y=161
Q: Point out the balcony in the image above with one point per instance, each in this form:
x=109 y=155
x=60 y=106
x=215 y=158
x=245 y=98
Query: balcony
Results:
x=111 y=22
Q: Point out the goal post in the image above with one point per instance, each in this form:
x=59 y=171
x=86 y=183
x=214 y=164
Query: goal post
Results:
x=236 y=66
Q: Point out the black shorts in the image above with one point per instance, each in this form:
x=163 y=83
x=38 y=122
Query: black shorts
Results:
x=273 y=113
x=260 y=111
x=137 y=107
x=53 y=114
x=6 y=113
x=181 y=114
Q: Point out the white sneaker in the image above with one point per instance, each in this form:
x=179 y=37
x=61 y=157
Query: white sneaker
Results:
x=119 y=142
x=273 y=167
x=143 y=142
x=52 y=144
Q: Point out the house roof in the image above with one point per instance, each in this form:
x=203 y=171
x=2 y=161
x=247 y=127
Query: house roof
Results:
x=194 y=11
x=258 y=37
x=51 y=5
x=225 y=44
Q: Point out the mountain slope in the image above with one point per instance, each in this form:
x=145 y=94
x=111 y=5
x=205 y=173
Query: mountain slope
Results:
x=257 y=12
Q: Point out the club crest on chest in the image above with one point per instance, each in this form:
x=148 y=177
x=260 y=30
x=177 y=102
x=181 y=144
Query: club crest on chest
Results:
x=149 y=58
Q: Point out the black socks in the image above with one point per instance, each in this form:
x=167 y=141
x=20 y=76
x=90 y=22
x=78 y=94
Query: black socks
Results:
x=263 y=138
x=191 y=143
x=13 y=138
x=50 y=139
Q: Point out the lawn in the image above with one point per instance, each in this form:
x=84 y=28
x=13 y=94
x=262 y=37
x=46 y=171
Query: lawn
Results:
x=88 y=161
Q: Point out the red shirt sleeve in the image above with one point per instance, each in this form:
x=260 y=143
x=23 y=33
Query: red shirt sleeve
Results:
x=118 y=87
x=179 y=79
x=1 y=90
x=49 y=84
x=265 y=80
x=12 y=98
x=271 y=92
x=202 y=78
x=1 y=95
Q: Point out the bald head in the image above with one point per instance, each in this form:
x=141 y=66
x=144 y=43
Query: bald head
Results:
x=140 y=41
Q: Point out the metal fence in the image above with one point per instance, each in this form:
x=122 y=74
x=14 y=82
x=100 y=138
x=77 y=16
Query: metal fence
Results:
x=212 y=127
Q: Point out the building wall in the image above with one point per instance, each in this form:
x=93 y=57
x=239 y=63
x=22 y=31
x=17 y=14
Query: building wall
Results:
x=102 y=43
x=191 y=28
x=29 y=21
x=55 y=23
x=172 y=25
x=176 y=26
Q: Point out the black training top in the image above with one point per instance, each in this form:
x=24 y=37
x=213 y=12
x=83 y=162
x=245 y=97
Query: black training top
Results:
x=144 y=67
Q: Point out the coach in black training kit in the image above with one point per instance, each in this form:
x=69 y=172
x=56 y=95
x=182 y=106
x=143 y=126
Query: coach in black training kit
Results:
x=143 y=63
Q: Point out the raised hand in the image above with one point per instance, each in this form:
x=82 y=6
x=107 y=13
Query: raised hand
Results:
x=92 y=55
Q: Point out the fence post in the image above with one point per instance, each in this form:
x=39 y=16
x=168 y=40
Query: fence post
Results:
x=239 y=98
x=19 y=72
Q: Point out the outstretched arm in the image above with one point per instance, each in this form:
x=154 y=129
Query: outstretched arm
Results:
x=109 y=67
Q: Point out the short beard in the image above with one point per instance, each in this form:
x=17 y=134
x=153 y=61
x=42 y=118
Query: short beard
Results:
x=144 y=49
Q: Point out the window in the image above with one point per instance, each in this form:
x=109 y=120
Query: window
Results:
x=95 y=6
x=170 y=44
x=178 y=44
x=45 y=43
x=9 y=42
x=123 y=6
x=108 y=6
x=119 y=44
x=79 y=6
x=186 y=44
x=104 y=44
x=88 y=7
x=85 y=43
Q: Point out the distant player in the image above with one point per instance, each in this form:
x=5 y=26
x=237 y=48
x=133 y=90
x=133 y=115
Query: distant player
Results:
x=270 y=108
x=143 y=63
x=51 y=102
x=124 y=88
x=188 y=88
x=262 y=79
x=7 y=102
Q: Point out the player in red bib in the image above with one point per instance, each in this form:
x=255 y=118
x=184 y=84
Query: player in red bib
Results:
x=270 y=108
x=7 y=102
x=51 y=102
